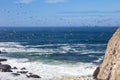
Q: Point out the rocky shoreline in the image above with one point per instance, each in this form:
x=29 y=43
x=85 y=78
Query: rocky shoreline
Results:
x=22 y=72
x=15 y=71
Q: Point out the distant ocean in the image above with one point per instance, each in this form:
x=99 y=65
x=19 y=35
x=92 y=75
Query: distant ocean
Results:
x=56 y=51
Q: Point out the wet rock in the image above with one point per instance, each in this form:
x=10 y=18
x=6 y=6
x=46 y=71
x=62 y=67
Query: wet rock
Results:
x=5 y=68
x=23 y=68
x=96 y=73
x=3 y=59
x=30 y=75
x=14 y=68
x=22 y=72
x=16 y=74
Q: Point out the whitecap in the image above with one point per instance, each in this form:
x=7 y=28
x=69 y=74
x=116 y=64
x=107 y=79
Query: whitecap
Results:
x=50 y=71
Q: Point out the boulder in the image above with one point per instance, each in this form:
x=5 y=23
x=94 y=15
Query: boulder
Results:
x=2 y=59
x=33 y=75
x=16 y=74
x=14 y=68
x=110 y=68
x=22 y=72
x=23 y=68
x=5 y=68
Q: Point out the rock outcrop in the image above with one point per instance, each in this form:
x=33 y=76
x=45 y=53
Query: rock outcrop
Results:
x=110 y=68
x=5 y=68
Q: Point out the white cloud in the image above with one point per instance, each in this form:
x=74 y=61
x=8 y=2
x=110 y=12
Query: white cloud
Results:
x=25 y=1
x=54 y=1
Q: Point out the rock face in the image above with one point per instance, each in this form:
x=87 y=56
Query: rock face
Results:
x=110 y=68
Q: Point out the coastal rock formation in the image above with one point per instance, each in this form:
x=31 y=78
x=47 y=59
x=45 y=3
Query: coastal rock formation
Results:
x=110 y=68
x=5 y=68
x=15 y=71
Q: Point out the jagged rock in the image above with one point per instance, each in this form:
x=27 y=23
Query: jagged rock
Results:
x=110 y=68
x=33 y=75
x=5 y=68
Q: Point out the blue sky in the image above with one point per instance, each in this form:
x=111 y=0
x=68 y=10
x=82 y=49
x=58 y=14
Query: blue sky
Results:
x=59 y=13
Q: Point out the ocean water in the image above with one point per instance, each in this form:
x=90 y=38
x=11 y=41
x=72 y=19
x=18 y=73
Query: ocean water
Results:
x=52 y=52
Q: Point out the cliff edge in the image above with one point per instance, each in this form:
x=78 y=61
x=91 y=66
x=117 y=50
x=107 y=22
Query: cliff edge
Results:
x=110 y=68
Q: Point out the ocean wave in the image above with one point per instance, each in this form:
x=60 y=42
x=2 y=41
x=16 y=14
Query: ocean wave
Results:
x=13 y=47
x=48 y=71
x=63 y=48
x=55 y=52
x=55 y=60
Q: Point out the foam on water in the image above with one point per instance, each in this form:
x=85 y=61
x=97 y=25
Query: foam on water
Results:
x=12 y=47
x=53 y=52
x=49 y=71
x=54 y=69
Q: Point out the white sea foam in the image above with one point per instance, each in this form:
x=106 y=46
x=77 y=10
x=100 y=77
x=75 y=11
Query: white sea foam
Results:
x=100 y=59
x=90 y=51
x=66 y=48
x=12 y=47
x=48 y=71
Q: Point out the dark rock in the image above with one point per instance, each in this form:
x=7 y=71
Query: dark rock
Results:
x=5 y=68
x=96 y=73
x=33 y=75
x=3 y=59
x=23 y=68
x=16 y=74
x=22 y=72
x=14 y=68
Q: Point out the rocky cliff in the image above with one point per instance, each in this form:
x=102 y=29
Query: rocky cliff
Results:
x=110 y=68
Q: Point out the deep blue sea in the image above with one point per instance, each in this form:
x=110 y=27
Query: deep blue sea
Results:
x=57 y=45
